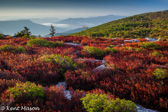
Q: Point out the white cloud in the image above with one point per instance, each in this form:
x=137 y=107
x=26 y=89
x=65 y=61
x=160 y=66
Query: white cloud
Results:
x=56 y=25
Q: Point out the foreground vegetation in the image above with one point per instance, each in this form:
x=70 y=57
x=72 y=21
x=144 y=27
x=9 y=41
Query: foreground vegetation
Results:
x=30 y=70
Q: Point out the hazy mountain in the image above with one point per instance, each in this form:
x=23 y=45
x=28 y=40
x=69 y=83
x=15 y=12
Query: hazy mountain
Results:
x=67 y=32
x=89 y=22
x=44 y=20
x=11 y=27
x=154 y=24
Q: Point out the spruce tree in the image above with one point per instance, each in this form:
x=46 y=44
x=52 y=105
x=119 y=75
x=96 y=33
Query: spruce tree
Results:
x=52 y=29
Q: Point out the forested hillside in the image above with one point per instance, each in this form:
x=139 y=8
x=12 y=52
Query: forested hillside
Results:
x=153 y=25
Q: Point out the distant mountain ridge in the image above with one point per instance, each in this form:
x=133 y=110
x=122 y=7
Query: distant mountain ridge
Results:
x=67 y=32
x=11 y=27
x=89 y=22
x=37 y=27
x=154 y=24
x=44 y=20
x=97 y=20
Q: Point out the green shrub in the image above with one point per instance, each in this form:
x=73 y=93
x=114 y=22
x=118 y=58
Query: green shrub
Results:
x=101 y=103
x=138 y=49
x=120 y=105
x=156 y=54
x=149 y=45
x=110 y=50
x=128 y=48
x=93 y=51
x=64 y=61
x=160 y=73
x=1 y=36
x=13 y=49
x=111 y=46
x=94 y=103
x=26 y=91
x=25 y=36
x=43 y=42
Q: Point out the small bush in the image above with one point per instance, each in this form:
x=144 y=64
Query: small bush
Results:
x=111 y=46
x=43 y=42
x=149 y=45
x=13 y=49
x=94 y=103
x=26 y=36
x=138 y=49
x=101 y=103
x=27 y=91
x=156 y=54
x=5 y=84
x=110 y=50
x=93 y=51
x=160 y=73
x=1 y=36
x=120 y=105
x=128 y=48
x=64 y=61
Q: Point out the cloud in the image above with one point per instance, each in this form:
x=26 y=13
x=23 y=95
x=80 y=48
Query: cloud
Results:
x=56 y=25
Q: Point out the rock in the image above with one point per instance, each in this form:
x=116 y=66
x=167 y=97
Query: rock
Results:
x=128 y=41
x=67 y=94
x=135 y=40
x=143 y=109
x=62 y=84
x=99 y=68
x=150 y=39
x=73 y=44
x=91 y=60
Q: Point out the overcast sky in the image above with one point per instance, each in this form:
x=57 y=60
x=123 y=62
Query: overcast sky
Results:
x=20 y=9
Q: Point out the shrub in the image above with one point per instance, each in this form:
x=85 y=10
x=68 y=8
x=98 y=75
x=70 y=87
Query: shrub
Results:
x=43 y=42
x=55 y=98
x=111 y=46
x=25 y=36
x=94 y=103
x=1 y=36
x=93 y=51
x=27 y=91
x=149 y=45
x=128 y=48
x=13 y=49
x=138 y=49
x=7 y=75
x=120 y=105
x=20 y=49
x=64 y=61
x=101 y=103
x=110 y=50
x=156 y=54
x=160 y=73
x=5 y=84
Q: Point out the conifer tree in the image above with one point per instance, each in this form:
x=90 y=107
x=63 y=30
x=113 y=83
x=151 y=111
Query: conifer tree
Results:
x=52 y=29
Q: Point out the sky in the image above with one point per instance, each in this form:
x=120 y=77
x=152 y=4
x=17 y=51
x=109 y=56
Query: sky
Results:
x=22 y=9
